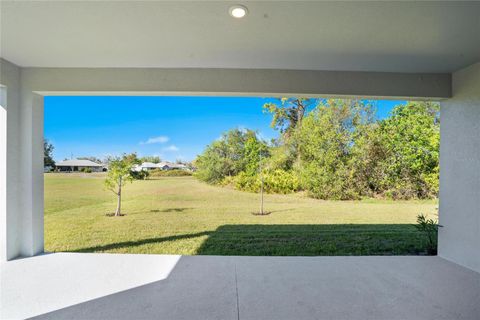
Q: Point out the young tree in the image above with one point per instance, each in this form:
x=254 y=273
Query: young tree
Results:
x=47 y=154
x=118 y=174
x=254 y=151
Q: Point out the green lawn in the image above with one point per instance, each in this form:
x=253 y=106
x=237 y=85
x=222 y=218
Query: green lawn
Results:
x=179 y=215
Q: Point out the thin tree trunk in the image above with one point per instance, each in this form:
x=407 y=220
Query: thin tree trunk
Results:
x=261 y=184
x=261 y=191
x=301 y=108
x=119 y=197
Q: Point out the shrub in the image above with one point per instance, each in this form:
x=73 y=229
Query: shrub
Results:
x=245 y=182
x=86 y=170
x=280 y=181
x=327 y=183
x=238 y=150
x=274 y=181
x=170 y=173
x=429 y=228
x=140 y=175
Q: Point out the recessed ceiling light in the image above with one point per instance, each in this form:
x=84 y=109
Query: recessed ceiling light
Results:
x=238 y=11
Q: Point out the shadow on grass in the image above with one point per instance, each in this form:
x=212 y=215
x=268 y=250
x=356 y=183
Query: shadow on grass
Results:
x=314 y=240
x=280 y=210
x=297 y=240
x=136 y=243
x=171 y=210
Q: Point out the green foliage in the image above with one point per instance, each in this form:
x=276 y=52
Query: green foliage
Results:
x=411 y=141
x=288 y=114
x=325 y=138
x=236 y=151
x=365 y=163
x=339 y=150
x=170 y=173
x=86 y=170
x=140 y=175
x=120 y=171
x=280 y=181
x=429 y=228
x=254 y=151
x=346 y=154
x=118 y=174
x=48 y=154
x=274 y=181
x=282 y=157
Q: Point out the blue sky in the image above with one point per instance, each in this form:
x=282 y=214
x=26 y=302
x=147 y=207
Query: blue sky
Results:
x=170 y=127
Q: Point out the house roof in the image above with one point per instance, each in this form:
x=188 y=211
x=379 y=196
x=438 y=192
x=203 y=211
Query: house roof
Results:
x=149 y=165
x=78 y=163
x=161 y=165
x=176 y=165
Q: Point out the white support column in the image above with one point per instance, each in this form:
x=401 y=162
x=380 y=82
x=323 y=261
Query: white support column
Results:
x=21 y=166
x=10 y=213
x=459 y=238
x=31 y=174
x=3 y=171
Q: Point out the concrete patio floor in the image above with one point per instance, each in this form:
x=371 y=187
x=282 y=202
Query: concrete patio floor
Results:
x=110 y=286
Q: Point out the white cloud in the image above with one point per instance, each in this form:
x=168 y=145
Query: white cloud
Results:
x=171 y=148
x=160 y=139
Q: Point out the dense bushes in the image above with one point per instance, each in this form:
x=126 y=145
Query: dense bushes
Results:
x=324 y=140
x=140 y=175
x=235 y=152
x=274 y=181
x=339 y=150
x=144 y=175
x=411 y=142
x=170 y=173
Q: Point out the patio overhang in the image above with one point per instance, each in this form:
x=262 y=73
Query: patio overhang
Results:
x=372 y=50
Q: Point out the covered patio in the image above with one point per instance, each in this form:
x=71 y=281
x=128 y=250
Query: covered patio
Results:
x=400 y=50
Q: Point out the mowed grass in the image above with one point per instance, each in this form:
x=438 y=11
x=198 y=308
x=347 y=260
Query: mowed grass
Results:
x=180 y=215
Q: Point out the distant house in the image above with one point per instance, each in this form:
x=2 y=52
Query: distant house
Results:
x=79 y=165
x=146 y=166
x=172 y=166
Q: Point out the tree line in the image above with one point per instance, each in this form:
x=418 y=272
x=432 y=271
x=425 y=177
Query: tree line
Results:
x=332 y=149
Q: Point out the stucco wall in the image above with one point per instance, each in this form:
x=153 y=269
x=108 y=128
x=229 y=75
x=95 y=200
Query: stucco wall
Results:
x=459 y=239
x=9 y=154
x=21 y=167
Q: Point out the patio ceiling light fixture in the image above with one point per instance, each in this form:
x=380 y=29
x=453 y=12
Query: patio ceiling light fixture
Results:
x=238 y=11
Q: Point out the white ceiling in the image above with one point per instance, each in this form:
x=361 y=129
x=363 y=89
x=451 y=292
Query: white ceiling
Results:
x=355 y=36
